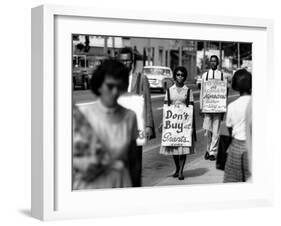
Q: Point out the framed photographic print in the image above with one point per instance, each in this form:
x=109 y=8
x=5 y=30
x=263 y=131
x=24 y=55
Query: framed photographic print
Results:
x=102 y=145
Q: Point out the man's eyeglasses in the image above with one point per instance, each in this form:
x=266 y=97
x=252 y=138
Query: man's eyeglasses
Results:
x=126 y=61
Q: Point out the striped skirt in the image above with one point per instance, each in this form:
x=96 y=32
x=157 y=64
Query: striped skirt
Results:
x=236 y=167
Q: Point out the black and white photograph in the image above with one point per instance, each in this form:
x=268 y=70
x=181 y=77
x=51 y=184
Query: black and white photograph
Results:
x=159 y=112
x=140 y=113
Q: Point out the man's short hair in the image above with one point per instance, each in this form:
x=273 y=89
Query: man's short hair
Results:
x=127 y=50
x=215 y=56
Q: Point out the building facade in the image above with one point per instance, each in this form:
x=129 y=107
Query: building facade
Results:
x=88 y=51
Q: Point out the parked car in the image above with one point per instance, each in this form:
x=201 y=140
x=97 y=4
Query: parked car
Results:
x=80 y=78
x=158 y=77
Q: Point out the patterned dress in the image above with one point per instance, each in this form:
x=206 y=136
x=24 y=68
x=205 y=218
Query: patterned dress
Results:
x=102 y=137
x=178 y=96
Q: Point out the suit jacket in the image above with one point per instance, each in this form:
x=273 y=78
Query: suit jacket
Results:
x=140 y=86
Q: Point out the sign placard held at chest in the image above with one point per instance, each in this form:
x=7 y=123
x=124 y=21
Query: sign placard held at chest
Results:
x=214 y=96
x=177 y=125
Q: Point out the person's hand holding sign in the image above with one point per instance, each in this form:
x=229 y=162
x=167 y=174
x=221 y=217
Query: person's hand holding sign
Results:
x=148 y=133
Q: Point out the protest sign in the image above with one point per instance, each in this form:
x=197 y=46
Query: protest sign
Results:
x=214 y=96
x=177 y=125
x=136 y=104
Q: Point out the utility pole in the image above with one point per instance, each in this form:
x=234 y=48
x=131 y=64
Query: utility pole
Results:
x=180 y=55
x=105 y=46
x=204 y=55
x=220 y=49
x=238 y=54
x=195 y=51
x=150 y=53
x=113 y=47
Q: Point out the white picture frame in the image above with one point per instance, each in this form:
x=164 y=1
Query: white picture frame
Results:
x=52 y=198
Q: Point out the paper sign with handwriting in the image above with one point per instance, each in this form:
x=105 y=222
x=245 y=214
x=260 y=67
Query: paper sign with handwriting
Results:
x=214 y=95
x=177 y=125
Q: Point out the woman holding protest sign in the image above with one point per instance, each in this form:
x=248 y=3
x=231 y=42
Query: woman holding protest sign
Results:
x=178 y=129
x=237 y=163
x=104 y=133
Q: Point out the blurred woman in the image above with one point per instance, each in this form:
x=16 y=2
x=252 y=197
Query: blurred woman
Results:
x=179 y=94
x=104 y=136
x=236 y=167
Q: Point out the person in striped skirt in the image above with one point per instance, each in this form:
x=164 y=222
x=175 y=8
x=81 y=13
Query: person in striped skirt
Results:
x=237 y=166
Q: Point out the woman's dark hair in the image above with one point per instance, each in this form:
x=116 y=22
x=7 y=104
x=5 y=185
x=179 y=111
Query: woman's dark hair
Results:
x=242 y=81
x=182 y=69
x=112 y=68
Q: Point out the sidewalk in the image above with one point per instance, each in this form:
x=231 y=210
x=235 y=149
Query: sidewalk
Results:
x=200 y=171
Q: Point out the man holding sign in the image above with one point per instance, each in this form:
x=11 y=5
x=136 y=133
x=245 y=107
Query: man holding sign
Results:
x=213 y=102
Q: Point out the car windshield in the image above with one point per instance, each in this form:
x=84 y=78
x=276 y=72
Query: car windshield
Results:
x=156 y=71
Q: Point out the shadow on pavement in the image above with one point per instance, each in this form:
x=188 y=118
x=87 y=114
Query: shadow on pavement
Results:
x=195 y=172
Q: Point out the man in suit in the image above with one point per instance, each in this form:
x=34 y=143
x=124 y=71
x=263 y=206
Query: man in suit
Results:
x=138 y=84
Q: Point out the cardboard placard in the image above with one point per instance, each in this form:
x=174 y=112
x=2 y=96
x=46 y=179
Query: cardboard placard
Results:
x=135 y=103
x=214 y=96
x=177 y=125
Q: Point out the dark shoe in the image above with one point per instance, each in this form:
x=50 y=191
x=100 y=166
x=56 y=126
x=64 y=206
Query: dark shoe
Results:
x=176 y=174
x=212 y=158
x=181 y=177
x=206 y=156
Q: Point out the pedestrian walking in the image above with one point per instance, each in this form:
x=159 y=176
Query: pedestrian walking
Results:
x=212 y=121
x=179 y=94
x=236 y=167
x=139 y=85
x=249 y=135
x=104 y=136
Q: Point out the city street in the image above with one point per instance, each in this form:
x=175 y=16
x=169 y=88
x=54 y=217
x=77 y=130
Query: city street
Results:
x=157 y=169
